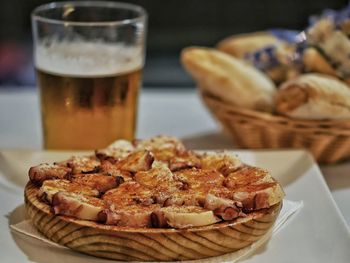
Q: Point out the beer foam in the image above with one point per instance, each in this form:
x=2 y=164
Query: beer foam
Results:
x=84 y=59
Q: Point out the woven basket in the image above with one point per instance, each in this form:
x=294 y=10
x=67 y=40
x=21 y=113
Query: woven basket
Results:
x=327 y=140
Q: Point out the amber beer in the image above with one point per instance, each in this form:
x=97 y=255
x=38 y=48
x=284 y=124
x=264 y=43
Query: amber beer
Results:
x=87 y=112
x=88 y=93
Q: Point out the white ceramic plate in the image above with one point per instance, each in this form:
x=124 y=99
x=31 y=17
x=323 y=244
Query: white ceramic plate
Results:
x=318 y=233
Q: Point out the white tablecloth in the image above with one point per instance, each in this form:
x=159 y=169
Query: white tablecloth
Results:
x=172 y=112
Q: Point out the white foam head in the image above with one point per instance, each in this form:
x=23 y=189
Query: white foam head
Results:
x=85 y=59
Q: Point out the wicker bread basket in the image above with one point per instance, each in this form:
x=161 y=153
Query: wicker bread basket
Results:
x=328 y=141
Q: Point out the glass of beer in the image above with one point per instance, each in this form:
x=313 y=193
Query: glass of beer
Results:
x=88 y=57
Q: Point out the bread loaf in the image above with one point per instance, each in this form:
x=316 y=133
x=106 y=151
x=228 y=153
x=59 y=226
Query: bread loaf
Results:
x=315 y=62
x=273 y=55
x=229 y=78
x=242 y=44
x=314 y=96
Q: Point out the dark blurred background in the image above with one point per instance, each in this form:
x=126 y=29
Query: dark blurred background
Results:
x=173 y=24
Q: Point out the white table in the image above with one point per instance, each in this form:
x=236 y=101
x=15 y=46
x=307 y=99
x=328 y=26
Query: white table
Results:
x=173 y=112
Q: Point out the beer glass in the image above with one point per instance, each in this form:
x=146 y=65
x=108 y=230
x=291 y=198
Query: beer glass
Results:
x=88 y=59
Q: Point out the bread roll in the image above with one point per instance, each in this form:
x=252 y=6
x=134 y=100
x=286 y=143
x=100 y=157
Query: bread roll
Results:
x=264 y=51
x=242 y=44
x=315 y=62
x=327 y=35
x=314 y=96
x=229 y=78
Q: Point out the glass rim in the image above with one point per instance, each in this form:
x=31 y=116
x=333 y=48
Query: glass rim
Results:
x=142 y=13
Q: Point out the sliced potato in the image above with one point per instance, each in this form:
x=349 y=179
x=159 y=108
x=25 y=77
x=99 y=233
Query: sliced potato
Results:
x=188 y=216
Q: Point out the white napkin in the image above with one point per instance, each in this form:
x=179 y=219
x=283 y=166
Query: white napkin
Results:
x=288 y=210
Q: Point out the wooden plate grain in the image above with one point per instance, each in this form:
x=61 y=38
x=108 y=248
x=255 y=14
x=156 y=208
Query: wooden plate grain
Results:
x=148 y=244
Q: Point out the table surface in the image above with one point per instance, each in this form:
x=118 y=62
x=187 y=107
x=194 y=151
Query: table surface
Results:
x=176 y=112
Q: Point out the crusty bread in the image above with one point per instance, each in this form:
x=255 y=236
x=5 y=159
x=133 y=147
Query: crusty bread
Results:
x=314 y=96
x=326 y=34
x=242 y=44
x=315 y=62
x=247 y=46
x=229 y=78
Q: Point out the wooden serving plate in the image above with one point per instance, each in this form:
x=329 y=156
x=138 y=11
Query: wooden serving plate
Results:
x=148 y=244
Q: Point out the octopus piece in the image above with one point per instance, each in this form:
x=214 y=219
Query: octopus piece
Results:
x=184 y=160
x=224 y=208
x=137 y=161
x=129 y=193
x=38 y=174
x=78 y=206
x=260 y=196
x=254 y=188
x=247 y=175
x=223 y=162
x=51 y=187
x=100 y=182
x=117 y=150
x=128 y=216
x=109 y=167
x=187 y=197
x=83 y=164
x=199 y=179
x=163 y=147
x=160 y=164
x=161 y=180
x=160 y=177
